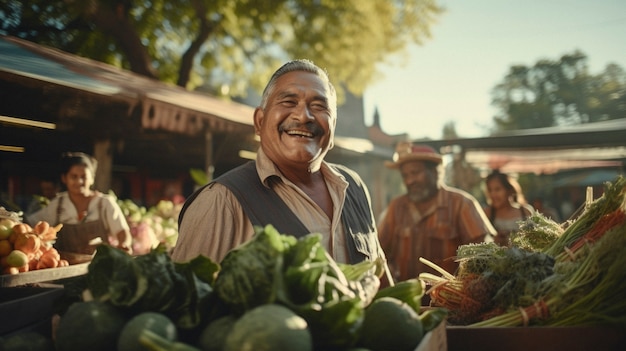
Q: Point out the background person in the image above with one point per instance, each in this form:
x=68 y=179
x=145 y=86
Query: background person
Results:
x=431 y=220
x=48 y=189
x=506 y=205
x=88 y=216
x=289 y=185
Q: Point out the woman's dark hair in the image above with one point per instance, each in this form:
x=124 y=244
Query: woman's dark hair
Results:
x=509 y=183
x=71 y=159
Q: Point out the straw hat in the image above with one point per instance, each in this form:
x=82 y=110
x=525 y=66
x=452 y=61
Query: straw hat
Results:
x=405 y=151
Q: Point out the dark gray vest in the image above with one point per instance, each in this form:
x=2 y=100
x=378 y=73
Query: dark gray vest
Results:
x=263 y=206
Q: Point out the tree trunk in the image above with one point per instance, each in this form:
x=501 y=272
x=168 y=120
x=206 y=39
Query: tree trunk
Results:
x=206 y=28
x=117 y=25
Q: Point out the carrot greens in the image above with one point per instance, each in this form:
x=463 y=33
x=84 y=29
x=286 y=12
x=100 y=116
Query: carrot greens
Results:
x=550 y=276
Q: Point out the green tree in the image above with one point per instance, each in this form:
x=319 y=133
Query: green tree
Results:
x=449 y=130
x=226 y=46
x=561 y=92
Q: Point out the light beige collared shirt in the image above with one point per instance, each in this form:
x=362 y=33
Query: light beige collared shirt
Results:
x=215 y=222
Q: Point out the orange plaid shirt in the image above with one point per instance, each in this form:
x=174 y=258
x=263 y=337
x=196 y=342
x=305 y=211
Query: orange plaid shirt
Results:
x=406 y=234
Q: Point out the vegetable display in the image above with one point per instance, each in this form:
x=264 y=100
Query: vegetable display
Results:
x=273 y=292
x=550 y=276
x=152 y=226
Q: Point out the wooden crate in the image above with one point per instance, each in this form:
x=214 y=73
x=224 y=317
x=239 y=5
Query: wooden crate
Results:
x=535 y=338
x=28 y=307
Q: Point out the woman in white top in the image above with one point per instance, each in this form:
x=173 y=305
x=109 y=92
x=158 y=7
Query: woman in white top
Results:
x=88 y=216
x=506 y=205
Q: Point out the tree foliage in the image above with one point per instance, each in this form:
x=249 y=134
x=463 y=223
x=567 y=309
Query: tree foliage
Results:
x=559 y=92
x=226 y=46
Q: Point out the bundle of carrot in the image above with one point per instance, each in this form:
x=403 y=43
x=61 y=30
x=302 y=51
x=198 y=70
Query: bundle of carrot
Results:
x=29 y=248
x=587 y=291
x=581 y=230
x=491 y=280
x=583 y=285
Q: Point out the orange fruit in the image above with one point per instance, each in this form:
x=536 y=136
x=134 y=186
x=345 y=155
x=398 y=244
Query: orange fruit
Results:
x=5 y=248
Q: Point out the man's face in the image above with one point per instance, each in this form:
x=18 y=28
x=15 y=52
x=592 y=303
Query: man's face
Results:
x=297 y=125
x=420 y=180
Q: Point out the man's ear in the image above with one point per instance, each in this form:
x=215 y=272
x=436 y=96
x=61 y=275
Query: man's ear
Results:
x=258 y=120
x=334 y=128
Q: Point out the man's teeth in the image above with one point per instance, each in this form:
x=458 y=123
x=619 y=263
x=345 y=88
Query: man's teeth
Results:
x=300 y=133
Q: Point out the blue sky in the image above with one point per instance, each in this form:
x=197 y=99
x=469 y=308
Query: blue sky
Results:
x=473 y=45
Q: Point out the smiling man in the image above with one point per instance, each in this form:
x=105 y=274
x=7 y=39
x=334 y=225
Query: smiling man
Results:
x=289 y=185
x=431 y=220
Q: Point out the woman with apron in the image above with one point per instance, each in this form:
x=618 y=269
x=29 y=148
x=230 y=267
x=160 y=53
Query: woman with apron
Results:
x=89 y=217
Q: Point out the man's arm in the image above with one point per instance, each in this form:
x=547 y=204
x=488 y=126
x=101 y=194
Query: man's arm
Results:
x=213 y=224
x=474 y=224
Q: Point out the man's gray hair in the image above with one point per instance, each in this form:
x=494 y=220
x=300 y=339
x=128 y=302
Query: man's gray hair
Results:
x=299 y=65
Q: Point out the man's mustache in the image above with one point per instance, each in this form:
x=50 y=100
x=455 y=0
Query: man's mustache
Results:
x=310 y=127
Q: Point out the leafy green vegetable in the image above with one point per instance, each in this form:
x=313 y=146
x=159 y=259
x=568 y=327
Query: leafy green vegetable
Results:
x=536 y=233
x=300 y=274
x=611 y=200
x=271 y=268
x=432 y=317
x=112 y=275
x=491 y=279
x=317 y=288
x=409 y=291
x=585 y=291
x=476 y=258
x=152 y=282
x=246 y=278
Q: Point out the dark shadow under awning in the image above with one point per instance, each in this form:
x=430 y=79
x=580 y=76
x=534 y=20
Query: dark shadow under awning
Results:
x=163 y=106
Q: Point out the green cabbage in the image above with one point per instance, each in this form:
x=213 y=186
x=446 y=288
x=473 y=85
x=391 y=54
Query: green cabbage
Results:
x=246 y=278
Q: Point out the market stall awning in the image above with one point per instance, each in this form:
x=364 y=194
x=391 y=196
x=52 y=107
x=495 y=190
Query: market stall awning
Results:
x=544 y=150
x=587 y=178
x=163 y=106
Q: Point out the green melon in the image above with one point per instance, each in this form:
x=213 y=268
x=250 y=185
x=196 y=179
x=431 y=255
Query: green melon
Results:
x=213 y=337
x=91 y=325
x=153 y=321
x=390 y=325
x=269 y=327
x=26 y=341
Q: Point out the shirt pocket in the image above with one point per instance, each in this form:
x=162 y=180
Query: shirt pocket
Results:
x=442 y=241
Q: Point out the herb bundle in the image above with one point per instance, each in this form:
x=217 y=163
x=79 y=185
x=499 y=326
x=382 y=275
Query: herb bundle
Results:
x=578 y=278
x=491 y=280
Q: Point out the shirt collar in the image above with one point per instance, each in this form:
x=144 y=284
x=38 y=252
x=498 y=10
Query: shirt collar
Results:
x=267 y=170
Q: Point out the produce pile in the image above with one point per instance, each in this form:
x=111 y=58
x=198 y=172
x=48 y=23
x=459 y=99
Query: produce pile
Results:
x=274 y=292
x=551 y=275
x=24 y=248
x=153 y=226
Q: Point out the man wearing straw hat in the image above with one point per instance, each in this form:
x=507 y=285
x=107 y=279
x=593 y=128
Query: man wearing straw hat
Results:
x=431 y=220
